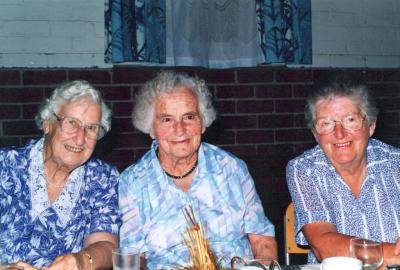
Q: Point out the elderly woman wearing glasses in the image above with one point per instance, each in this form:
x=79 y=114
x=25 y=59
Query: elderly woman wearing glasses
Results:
x=349 y=184
x=58 y=206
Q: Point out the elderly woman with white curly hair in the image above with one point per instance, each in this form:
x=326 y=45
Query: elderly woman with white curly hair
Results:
x=179 y=170
x=59 y=206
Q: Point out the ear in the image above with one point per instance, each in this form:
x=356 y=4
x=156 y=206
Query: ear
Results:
x=372 y=127
x=46 y=127
x=316 y=136
x=152 y=135
x=203 y=129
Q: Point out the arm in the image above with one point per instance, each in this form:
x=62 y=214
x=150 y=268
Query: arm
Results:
x=263 y=246
x=325 y=242
x=98 y=247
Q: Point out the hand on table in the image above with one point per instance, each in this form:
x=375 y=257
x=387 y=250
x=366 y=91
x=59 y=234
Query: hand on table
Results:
x=64 y=262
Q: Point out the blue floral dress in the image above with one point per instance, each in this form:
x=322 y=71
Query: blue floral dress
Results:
x=33 y=229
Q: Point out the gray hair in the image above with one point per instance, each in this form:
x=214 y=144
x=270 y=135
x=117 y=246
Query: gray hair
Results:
x=168 y=82
x=341 y=86
x=69 y=92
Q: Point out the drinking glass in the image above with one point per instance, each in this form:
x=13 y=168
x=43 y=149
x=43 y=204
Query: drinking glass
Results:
x=369 y=252
x=126 y=258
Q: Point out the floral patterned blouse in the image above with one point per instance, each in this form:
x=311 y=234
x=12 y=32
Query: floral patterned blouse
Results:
x=33 y=229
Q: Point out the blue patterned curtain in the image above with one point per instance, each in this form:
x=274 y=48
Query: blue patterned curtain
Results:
x=285 y=30
x=135 y=31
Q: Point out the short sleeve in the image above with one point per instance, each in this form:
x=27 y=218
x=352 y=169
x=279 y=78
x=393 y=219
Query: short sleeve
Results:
x=255 y=220
x=105 y=216
x=304 y=189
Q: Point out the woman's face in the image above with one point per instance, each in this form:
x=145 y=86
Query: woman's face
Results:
x=70 y=150
x=344 y=148
x=177 y=124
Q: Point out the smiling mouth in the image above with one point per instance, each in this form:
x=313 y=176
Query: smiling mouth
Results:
x=73 y=149
x=342 y=144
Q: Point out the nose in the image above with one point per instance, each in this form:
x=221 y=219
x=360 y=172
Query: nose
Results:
x=339 y=130
x=179 y=128
x=80 y=136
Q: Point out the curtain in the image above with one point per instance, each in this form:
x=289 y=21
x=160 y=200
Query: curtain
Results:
x=208 y=33
x=135 y=31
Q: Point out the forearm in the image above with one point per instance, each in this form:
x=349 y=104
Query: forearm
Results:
x=263 y=246
x=99 y=253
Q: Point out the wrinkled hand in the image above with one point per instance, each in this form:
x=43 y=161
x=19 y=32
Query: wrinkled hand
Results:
x=25 y=265
x=64 y=262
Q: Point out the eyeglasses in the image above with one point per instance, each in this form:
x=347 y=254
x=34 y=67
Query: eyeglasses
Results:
x=351 y=122
x=72 y=125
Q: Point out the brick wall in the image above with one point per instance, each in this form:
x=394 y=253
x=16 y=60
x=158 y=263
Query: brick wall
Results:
x=260 y=115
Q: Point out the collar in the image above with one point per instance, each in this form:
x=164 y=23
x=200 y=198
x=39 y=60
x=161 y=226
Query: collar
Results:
x=66 y=200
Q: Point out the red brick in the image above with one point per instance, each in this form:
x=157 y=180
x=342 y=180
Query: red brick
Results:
x=254 y=75
x=92 y=76
x=293 y=135
x=10 y=77
x=241 y=150
x=276 y=121
x=21 y=95
x=274 y=91
x=289 y=105
x=391 y=75
x=299 y=120
x=276 y=150
x=358 y=74
x=44 y=77
x=219 y=137
x=9 y=141
x=133 y=75
x=387 y=89
x=226 y=106
x=255 y=106
x=20 y=128
x=129 y=140
x=116 y=93
x=29 y=111
x=293 y=75
x=238 y=122
x=122 y=108
x=123 y=124
x=388 y=119
x=10 y=111
x=301 y=90
x=255 y=136
x=231 y=91
x=389 y=103
x=216 y=75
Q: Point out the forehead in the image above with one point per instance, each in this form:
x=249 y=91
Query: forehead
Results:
x=181 y=98
x=82 y=108
x=336 y=105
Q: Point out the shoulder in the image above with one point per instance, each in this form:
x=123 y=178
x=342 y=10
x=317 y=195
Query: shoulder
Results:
x=379 y=151
x=214 y=153
x=14 y=154
x=309 y=158
x=138 y=169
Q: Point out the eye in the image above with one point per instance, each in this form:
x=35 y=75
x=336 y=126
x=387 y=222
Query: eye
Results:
x=166 y=119
x=189 y=117
x=92 y=128
x=71 y=122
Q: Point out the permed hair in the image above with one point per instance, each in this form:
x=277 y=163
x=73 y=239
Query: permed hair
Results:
x=69 y=92
x=340 y=85
x=168 y=82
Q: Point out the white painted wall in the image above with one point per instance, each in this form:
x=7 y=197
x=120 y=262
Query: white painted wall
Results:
x=69 y=33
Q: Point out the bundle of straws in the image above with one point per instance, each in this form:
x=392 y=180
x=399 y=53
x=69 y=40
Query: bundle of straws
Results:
x=197 y=243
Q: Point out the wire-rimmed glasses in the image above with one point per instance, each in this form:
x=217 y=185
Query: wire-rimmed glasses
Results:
x=72 y=125
x=350 y=122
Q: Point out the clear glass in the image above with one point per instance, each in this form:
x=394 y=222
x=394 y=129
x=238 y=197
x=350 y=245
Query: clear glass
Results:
x=126 y=258
x=259 y=263
x=351 y=122
x=73 y=125
x=369 y=252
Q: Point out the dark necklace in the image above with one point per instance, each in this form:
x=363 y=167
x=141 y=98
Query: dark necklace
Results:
x=182 y=176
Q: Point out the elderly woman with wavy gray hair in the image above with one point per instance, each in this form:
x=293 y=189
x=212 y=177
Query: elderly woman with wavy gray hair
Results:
x=59 y=206
x=180 y=170
x=349 y=184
